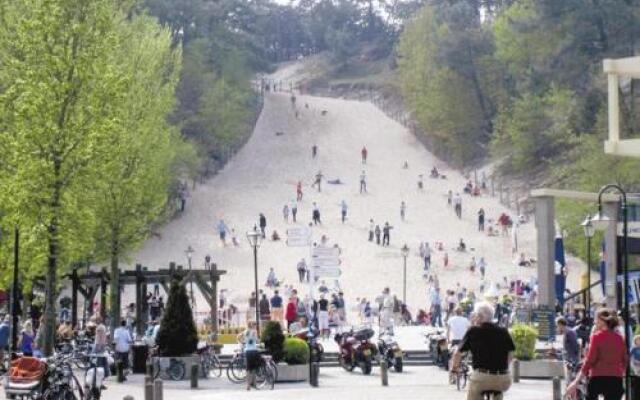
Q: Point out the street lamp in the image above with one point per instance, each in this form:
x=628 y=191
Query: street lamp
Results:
x=189 y=252
x=602 y=221
x=254 y=237
x=405 y=254
x=589 y=231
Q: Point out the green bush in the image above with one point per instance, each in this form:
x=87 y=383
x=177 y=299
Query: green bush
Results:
x=524 y=337
x=178 y=335
x=296 y=351
x=273 y=339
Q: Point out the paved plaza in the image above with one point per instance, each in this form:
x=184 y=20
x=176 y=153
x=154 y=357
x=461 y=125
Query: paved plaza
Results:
x=417 y=383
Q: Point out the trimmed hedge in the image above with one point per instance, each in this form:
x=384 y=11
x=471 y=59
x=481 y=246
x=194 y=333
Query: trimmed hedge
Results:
x=524 y=337
x=296 y=351
x=273 y=339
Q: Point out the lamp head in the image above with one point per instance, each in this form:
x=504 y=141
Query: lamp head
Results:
x=254 y=237
x=600 y=221
x=189 y=251
x=589 y=228
x=405 y=250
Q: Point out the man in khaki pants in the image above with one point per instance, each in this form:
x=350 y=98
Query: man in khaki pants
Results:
x=492 y=350
x=276 y=307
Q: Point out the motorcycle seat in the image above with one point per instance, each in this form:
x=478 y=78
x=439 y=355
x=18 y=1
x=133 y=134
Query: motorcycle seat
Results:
x=14 y=387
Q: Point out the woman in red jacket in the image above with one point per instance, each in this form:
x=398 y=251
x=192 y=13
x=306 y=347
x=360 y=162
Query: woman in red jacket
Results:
x=606 y=360
x=292 y=311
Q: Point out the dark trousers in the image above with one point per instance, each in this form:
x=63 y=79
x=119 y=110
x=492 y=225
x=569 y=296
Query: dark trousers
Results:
x=608 y=386
x=294 y=211
x=378 y=238
x=371 y=236
x=436 y=317
x=344 y=216
x=385 y=239
x=123 y=358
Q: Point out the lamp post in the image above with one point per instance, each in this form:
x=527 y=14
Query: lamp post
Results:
x=189 y=252
x=405 y=254
x=589 y=231
x=14 y=291
x=601 y=221
x=254 y=238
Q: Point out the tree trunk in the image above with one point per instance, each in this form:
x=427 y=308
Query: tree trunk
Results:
x=114 y=288
x=52 y=267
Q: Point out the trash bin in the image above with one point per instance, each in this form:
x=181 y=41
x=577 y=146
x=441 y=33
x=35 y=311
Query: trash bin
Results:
x=140 y=354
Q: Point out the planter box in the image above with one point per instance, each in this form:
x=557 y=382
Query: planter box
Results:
x=541 y=369
x=188 y=362
x=293 y=373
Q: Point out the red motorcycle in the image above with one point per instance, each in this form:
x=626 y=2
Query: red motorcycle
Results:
x=356 y=350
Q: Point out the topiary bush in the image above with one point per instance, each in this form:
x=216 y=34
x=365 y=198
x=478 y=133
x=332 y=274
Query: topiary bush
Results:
x=524 y=337
x=273 y=339
x=296 y=351
x=178 y=335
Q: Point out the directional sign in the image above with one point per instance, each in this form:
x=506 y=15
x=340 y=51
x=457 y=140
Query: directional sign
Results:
x=298 y=242
x=325 y=252
x=298 y=236
x=327 y=272
x=325 y=261
x=299 y=231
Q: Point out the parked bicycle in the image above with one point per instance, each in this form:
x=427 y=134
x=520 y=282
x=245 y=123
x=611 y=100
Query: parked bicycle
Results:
x=210 y=365
x=168 y=369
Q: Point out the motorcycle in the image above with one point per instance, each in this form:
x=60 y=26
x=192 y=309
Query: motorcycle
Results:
x=356 y=350
x=61 y=383
x=390 y=352
x=438 y=348
x=310 y=336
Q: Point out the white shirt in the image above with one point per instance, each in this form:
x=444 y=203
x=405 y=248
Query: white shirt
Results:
x=458 y=326
x=122 y=338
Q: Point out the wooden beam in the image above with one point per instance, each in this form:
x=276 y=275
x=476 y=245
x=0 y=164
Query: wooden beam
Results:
x=572 y=194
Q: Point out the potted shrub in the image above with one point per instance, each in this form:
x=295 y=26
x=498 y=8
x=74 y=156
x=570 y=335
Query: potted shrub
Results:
x=524 y=338
x=273 y=339
x=296 y=358
x=178 y=336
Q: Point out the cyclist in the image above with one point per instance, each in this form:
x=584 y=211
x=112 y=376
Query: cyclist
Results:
x=570 y=346
x=249 y=338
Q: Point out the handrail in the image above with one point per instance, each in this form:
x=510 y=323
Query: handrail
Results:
x=582 y=291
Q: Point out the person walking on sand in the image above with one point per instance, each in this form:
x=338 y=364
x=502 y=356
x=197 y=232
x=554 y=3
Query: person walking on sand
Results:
x=481 y=220
x=263 y=224
x=386 y=234
x=403 y=210
x=299 y=192
x=420 y=182
x=482 y=266
x=222 y=232
x=449 y=197
x=372 y=228
x=294 y=210
x=427 y=256
x=285 y=213
x=364 y=154
x=363 y=183
x=318 y=181
x=457 y=204
x=314 y=151
x=343 y=210
x=302 y=270
x=377 y=232
x=315 y=215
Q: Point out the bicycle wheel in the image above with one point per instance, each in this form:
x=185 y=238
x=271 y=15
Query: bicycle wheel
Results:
x=215 y=367
x=204 y=367
x=265 y=378
x=236 y=371
x=461 y=380
x=176 y=370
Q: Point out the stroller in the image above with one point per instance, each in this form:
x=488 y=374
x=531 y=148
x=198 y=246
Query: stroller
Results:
x=25 y=379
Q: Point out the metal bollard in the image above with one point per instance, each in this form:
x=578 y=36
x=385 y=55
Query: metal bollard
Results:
x=148 y=391
x=149 y=369
x=557 y=391
x=384 y=373
x=516 y=371
x=157 y=389
x=128 y=397
x=314 y=373
x=194 y=376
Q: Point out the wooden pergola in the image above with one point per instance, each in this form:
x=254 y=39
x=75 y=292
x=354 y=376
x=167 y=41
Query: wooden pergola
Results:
x=87 y=285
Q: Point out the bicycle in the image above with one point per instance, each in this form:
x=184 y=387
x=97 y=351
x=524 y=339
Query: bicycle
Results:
x=210 y=365
x=267 y=373
x=237 y=369
x=462 y=375
x=573 y=368
x=173 y=369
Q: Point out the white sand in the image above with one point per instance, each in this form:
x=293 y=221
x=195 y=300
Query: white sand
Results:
x=261 y=178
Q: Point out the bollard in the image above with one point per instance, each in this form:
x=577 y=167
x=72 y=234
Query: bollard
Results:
x=148 y=391
x=157 y=389
x=128 y=397
x=516 y=371
x=194 y=376
x=120 y=371
x=557 y=391
x=149 y=368
x=384 y=373
x=314 y=372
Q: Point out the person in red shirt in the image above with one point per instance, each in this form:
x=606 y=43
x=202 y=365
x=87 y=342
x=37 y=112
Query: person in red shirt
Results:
x=292 y=311
x=606 y=361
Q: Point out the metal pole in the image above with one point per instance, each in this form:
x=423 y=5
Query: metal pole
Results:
x=14 y=291
x=193 y=302
x=404 y=281
x=255 y=268
x=587 y=295
x=625 y=312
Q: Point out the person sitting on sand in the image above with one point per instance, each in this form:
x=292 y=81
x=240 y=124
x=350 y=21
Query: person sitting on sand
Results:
x=434 y=172
x=461 y=246
x=275 y=237
x=336 y=181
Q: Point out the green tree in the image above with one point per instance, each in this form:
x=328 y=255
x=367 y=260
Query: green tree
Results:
x=177 y=335
x=59 y=95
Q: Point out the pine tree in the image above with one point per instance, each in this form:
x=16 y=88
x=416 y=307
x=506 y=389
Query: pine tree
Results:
x=178 y=335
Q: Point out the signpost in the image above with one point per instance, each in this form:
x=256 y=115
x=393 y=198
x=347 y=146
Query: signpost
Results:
x=544 y=319
x=328 y=272
x=299 y=236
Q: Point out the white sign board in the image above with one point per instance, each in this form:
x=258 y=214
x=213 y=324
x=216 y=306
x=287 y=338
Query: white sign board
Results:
x=325 y=252
x=298 y=236
x=325 y=261
x=327 y=272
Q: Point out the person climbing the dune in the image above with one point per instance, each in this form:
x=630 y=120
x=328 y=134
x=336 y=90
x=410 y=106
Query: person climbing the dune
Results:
x=298 y=194
x=314 y=151
x=363 y=183
x=343 y=210
x=318 y=181
x=364 y=152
